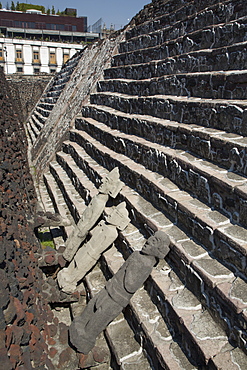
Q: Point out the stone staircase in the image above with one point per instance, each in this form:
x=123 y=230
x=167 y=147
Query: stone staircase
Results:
x=44 y=107
x=171 y=114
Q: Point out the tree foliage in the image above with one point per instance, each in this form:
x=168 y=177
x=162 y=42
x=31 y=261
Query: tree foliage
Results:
x=23 y=7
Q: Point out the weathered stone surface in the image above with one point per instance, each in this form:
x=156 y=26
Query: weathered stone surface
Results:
x=102 y=236
x=111 y=185
x=111 y=300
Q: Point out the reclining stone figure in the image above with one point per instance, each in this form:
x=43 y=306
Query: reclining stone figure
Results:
x=110 y=301
x=111 y=186
x=102 y=236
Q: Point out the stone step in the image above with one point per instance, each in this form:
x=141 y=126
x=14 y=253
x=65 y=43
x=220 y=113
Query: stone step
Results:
x=43 y=112
x=127 y=352
x=58 y=201
x=70 y=194
x=33 y=128
x=211 y=36
x=159 y=8
x=210 y=183
x=209 y=227
x=64 y=78
x=41 y=119
x=82 y=184
x=232 y=114
x=46 y=106
x=193 y=263
x=30 y=133
x=186 y=310
x=206 y=356
x=36 y=122
x=155 y=64
x=193 y=16
x=53 y=93
x=48 y=100
x=47 y=205
x=213 y=85
x=222 y=148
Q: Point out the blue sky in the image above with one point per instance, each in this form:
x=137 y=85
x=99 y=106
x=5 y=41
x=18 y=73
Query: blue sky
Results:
x=111 y=11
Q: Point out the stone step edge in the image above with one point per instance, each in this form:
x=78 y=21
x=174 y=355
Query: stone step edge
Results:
x=76 y=207
x=179 y=22
x=203 y=112
x=180 y=253
x=157 y=60
x=43 y=200
x=197 y=52
x=223 y=74
x=213 y=138
x=80 y=181
x=216 y=176
x=164 y=16
x=51 y=187
x=146 y=329
x=177 y=39
x=208 y=101
x=183 y=202
x=199 y=351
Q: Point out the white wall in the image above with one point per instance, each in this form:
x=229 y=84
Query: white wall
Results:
x=27 y=47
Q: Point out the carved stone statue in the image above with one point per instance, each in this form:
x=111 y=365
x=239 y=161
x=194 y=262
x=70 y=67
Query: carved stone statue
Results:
x=111 y=186
x=111 y=300
x=102 y=236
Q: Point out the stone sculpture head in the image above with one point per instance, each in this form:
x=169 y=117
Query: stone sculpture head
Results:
x=157 y=245
x=111 y=184
x=119 y=216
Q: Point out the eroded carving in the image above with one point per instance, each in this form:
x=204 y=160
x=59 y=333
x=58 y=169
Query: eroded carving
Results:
x=102 y=236
x=111 y=186
x=111 y=300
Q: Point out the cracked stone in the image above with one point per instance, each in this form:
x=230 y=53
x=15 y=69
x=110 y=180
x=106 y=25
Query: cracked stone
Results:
x=186 y=300
x=239 y=290
x=205 y=328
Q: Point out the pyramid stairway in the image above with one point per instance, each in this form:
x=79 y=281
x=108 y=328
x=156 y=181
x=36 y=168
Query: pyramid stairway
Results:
x=171 y=114
x=54 y=89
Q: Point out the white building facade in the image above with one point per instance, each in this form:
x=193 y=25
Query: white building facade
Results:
x=33 y=56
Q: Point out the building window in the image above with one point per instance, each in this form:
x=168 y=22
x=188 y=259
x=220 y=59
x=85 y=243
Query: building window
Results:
x=19 y=69
x=19 y=56
x=52 y=70
x=1 y=54
x=36 y=57
x=65 y=57
x=36 y=70
x=52 y=58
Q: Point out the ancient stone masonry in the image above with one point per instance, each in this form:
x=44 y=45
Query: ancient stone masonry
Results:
x=25 y=316
x=41 y=111
x=67 y=105
x=27 y=90
x=165 y=103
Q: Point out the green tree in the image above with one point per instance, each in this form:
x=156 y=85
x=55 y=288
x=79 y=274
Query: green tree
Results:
x=24 y=7
x=48 y=11
x=12 y=5
x=53 y=10
x=1 y=7
x=17 y=6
